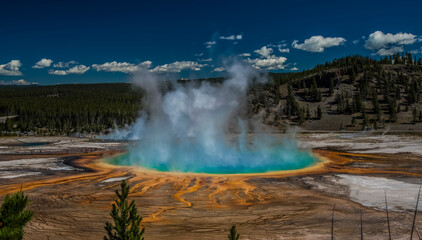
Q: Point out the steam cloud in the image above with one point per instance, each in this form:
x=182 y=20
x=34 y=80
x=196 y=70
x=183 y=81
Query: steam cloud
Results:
x=184 y=129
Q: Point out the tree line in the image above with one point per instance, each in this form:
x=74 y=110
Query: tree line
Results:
x=68 y=109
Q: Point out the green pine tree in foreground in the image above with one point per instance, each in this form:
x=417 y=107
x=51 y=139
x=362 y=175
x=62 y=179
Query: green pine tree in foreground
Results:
x=125 y=217
x=233 y=233
x=14 y=216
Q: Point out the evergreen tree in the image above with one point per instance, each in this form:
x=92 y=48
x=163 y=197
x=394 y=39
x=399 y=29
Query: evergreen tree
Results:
x=377 y=110
x=14 y=216
x=349 y=109
x=353 y=76
x=412 y=95
x=353 y=121
x=233 y=233
x=292 y=106
x=277 y=94
x=415 y=115
x=364 y=116
x=392 y=106
x=375 y=126
x=319 y=112
x=301 y=116
x=315 y=92
x=331 y=90
x=340 y=103
x=9 y=125
x=357 y=103
x=409 y=58
x=125 y=217
x=308 y=113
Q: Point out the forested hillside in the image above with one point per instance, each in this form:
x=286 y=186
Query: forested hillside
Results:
x=350 y=93
x=67 y=109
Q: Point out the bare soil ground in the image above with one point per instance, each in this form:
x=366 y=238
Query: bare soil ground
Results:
x=72 y=191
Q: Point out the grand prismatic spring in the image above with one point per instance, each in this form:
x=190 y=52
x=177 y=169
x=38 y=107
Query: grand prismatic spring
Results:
x=184 y=130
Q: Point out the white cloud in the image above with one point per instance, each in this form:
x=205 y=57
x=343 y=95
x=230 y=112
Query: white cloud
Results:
x=124 y=67
x=64 y=64
x=416 y=51
x=356 y=41
x=178 y=66
x=43 y=63
x=389 y=51
x=244 y=55
x=199 y=55
x=378 y=40
x=232 y=37
x=16 y=82
x=205 y=60
x=11 y=68
x=284 y=50
x=282 y=46
x=209 y=44
x=57 y=72
x=264 y=51
x=219 y=69
x=79 y=69
x=270 y=63
x=294 y=69
x=318 y=43
x=266 y=61
x=388 y=44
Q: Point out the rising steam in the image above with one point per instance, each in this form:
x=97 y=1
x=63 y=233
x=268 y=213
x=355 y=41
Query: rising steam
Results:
x=184 y=129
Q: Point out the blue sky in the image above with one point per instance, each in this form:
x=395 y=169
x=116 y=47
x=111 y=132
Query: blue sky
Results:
x=54 y=42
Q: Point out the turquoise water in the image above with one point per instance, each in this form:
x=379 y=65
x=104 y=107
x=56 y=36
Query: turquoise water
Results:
x=218 y=160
